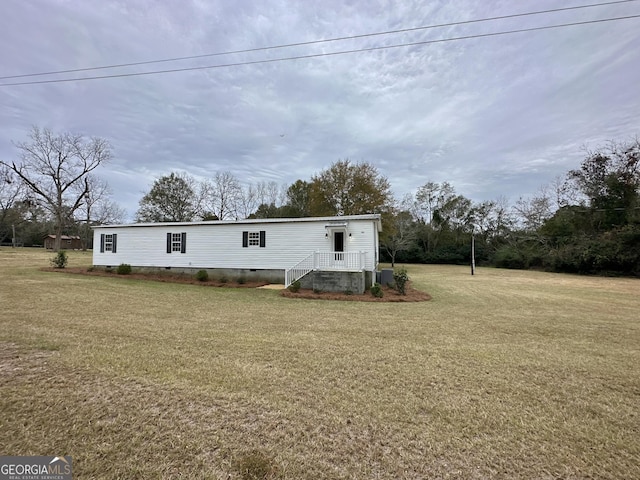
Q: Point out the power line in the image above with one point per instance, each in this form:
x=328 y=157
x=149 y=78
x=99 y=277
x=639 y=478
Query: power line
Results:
x=314 y=42
x=327 y=54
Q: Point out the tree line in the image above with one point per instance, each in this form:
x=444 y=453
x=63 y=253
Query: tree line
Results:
x=587 y=221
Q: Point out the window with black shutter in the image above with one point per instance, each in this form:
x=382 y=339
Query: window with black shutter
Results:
x=254 y=239
x=108 y=242
x=177 y=242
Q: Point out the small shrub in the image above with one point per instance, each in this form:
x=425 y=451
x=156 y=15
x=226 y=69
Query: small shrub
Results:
x=348 y=292
x=224 y=279
x=401 y=278
x=202 y=275
x=317 y=290
x=376 y=290
x=91 y=269
x=295 y=287
x=242 y=280
x=60 y=260
x=108 y=270
x=123 y=269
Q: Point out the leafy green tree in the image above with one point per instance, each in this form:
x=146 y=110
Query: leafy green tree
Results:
x=298 y=199
x=348 y=188
x=610 y=180
x=54 y=169
x=269 y=211
x=172 y=198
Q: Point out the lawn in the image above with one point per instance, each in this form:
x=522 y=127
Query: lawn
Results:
x=505 y=374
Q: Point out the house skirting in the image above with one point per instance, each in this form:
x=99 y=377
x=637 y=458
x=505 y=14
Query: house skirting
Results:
x=231 y=274
x=337 y=281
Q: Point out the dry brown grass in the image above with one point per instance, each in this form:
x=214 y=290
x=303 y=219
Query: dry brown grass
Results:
x=502 y=375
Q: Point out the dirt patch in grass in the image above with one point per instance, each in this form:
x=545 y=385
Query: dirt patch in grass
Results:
x=160 y=277
x=390 y=295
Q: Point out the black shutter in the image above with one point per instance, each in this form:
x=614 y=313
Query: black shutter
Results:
x=245 y=239
x=115 y=242
x=183 y=249
x=263 y=238
x=168 y=243
x=101 y=242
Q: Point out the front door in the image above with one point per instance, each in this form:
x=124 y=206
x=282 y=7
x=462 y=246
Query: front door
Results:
x=338 y=246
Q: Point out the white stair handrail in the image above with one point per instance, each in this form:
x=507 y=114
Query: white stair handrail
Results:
x=299 y=270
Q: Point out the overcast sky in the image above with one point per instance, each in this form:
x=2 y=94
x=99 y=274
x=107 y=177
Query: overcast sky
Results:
x=495 y=116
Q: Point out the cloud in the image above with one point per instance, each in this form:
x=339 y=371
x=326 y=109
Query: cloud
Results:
x=493 y=116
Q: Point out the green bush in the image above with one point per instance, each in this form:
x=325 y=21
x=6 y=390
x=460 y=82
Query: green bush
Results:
x=60 y=260
x=376 y=290
x=202 y=275
x=242 y=280
x=509 y=257
x=401 y=278
x=223 y=279
x=123 y=269
x=295 y=286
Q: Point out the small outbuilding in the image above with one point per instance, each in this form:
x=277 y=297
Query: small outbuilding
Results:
x=324 y=253
x=66 y=242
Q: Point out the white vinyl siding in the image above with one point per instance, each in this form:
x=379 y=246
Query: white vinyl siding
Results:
x=221 y=245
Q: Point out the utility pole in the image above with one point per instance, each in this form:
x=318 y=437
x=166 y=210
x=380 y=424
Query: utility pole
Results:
x=473 y=251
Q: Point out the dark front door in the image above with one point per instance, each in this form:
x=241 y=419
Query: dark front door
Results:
x=338 y=245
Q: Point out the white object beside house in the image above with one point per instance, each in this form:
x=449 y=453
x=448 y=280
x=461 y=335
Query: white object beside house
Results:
x=325 y=253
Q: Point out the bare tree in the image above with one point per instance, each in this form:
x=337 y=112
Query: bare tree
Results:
x=271 y=193
x=535 y=210
x=221 y=195
x=426 y=198
x=55 y=168
x=399 y=231
x=11 y=190
x=98 y=208
x=248 y=202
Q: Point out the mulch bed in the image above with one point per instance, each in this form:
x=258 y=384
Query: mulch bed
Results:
x=390 y=295
x=157 y=277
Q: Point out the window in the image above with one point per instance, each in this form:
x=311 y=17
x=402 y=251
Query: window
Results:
x=254 y=239
x=177 y=242
x=108 y=242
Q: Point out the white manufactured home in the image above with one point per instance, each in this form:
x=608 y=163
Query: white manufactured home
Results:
x=326 y=253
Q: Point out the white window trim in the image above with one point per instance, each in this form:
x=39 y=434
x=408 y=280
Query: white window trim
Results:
x=108 y=242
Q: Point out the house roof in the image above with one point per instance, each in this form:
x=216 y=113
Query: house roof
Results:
x=346 y=218
x=63 y=237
